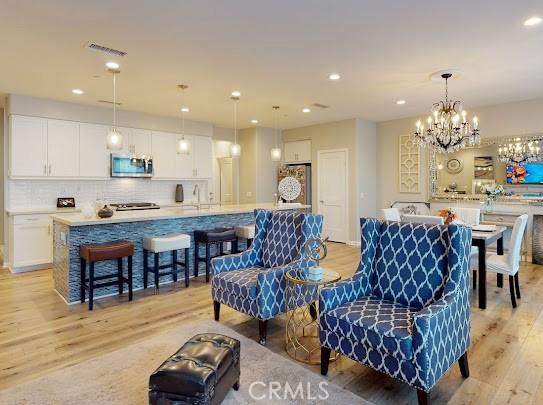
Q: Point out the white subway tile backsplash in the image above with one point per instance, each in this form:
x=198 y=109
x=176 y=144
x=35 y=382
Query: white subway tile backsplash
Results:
x=44 y=193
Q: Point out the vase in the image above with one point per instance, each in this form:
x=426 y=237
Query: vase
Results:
x=105 y=212
x=489 y=204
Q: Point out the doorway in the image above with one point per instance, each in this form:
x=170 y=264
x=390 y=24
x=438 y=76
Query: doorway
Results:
x=333 y=194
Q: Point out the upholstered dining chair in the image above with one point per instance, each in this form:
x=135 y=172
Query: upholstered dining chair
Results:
x=391 y=214
x=405 y=312
x=253 y=281
x=423 y=219
x=509 y=263
x=467 y=216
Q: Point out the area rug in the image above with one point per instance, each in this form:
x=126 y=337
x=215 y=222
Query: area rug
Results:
x=121 y=377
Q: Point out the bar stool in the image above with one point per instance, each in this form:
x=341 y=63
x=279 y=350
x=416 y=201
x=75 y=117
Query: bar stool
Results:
x=218 y=237
x=168 y=243
x=246 y=232
x=99 y=252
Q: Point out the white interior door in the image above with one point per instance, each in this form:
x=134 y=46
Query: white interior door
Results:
x=227 y=184
x=332 y=194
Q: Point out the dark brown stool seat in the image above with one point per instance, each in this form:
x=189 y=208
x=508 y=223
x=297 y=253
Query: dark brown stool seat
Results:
x=98 y=252
x=217 y=236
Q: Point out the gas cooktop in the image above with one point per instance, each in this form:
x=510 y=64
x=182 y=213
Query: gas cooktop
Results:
x=135 y=206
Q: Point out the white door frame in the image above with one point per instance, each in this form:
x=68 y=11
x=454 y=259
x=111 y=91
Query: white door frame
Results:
x=346 y=215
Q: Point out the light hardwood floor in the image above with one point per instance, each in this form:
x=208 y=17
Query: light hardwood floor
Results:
x=39 y=333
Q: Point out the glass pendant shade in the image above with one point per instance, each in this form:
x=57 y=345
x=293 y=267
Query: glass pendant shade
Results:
x=114 y=139
x=276 y=154
x=235 y=150
x=183 y=146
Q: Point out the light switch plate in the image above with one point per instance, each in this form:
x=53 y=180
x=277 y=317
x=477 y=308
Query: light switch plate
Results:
x=249 y=194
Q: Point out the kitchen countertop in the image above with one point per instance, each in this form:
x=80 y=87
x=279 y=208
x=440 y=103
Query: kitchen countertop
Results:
x=77 y=218
x=44 y=210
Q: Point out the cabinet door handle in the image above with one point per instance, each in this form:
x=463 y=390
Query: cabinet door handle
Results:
x=49 y=169
x=45 y=168
x=49 y=230
x=196 y=171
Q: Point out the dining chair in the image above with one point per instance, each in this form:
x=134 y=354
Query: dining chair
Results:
x=508 y=264
x=423 y=219
x=468 y=216
x=391 y=214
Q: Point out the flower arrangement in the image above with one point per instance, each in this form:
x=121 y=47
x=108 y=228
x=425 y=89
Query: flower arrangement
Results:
x=493 y=191
x=448 y=215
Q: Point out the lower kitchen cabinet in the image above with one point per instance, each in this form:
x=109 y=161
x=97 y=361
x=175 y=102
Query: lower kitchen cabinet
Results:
x=30 y=242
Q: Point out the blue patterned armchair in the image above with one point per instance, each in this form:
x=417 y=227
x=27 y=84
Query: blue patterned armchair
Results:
x=253 y=281
x=405 y=312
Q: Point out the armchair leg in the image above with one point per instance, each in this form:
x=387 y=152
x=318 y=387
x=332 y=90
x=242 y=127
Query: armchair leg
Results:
x=512 y=291
x=263 y=330
x=313 y=311
x=423 y=397
x=325 y=359
x=464 y=366
x=217 y=309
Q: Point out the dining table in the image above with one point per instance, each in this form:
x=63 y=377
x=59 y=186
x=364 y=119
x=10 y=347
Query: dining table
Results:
x=482 y=240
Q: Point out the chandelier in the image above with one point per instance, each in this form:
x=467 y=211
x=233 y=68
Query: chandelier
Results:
x=517 y=151
x=448 y=130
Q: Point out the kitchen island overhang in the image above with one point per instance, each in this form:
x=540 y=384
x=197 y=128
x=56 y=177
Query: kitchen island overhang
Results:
x=72 y=230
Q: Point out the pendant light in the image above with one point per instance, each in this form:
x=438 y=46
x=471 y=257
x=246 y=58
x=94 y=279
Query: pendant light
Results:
x=275 y=152
x=235 y=149
x=114 y=137
x=183 y=145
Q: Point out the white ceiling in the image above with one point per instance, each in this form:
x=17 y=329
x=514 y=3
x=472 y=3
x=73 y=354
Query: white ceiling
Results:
x=274 y=52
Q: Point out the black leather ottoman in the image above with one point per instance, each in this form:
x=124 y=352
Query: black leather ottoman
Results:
x=201 y=372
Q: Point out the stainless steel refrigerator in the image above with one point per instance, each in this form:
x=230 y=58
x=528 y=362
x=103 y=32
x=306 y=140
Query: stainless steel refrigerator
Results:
x=303 y=174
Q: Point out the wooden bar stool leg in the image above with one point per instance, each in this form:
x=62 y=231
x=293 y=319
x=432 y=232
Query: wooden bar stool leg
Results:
x=187 y=261
x=208 y=261
x=156 y=271
x=83 y=277
x=120 y=274
x=129 y=278
x=91 y=286
x=145 y=268
x=235 y=248
x=249 y=243
x=174 y=265
x=196 y=257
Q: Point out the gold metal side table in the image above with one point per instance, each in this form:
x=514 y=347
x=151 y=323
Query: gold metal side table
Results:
x=302 y=300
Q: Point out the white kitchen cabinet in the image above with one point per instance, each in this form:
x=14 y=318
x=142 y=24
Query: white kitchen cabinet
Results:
x=203 y=157
x=298 y=151
x=164 y=155
x=136 y=141
x=31 y=242
x=94 y=157
x=184 y=162
x=62 y=148
x=28 y=146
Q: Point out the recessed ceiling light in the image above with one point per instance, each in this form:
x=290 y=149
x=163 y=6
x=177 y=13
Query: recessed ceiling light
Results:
x=306 y=110
x=77 y=91
x=185 y=109
x=400 y=102
x=236 y=94
x=334 y=76
x=532 y=21
x=112 y=65
x=254 y=121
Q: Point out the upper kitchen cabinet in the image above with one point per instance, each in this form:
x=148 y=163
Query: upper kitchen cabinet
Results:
x=28 y=151
x=298 y=151
x=203 y=157
x=93 y=153
x=184 y=162
x=164 y=155
x=62 y=148
x=136 y=141
x=43 y=148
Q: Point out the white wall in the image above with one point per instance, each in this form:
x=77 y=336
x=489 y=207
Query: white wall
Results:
x=266 y=169
x=367 y=162
x=2 y=134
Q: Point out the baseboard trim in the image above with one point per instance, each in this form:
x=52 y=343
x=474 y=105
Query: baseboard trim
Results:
x=353 y=243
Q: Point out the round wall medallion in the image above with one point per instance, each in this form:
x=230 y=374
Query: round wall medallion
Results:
x=454 y=166
x=289 y=188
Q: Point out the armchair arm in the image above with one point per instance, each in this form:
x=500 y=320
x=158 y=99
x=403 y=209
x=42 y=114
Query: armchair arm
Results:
x=248 y=258
x=342 y=292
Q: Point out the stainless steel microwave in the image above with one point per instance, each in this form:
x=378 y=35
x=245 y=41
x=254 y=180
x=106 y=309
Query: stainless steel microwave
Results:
x=131 y=166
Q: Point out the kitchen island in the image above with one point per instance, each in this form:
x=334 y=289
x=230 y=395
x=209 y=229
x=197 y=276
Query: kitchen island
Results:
x=74 y=229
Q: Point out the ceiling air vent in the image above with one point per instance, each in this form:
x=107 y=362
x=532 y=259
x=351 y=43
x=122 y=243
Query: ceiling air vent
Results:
x=102 y=48
x=108 y=102
x=317 y=105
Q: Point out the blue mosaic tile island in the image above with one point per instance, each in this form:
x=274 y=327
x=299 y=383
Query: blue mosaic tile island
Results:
x=73 y=230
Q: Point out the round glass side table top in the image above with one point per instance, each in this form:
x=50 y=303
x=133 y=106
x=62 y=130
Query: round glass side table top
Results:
x=302 y=299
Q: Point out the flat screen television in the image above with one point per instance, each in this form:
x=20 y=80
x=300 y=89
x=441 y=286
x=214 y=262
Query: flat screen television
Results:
x=529 y=173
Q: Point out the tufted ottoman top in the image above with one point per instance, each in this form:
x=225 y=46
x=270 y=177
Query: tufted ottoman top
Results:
x=195 y=369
